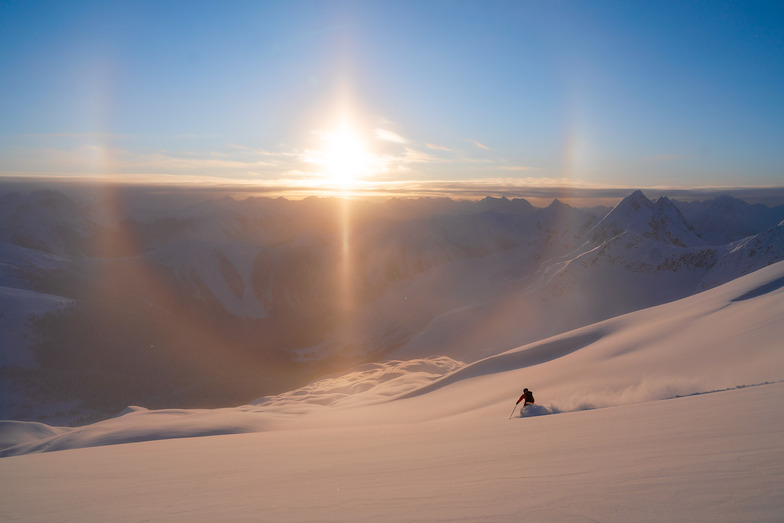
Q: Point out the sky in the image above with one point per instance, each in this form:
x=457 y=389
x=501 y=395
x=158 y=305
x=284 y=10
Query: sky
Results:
x=305 y=97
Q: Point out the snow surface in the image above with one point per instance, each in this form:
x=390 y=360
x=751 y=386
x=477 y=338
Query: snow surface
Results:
x=672 y=413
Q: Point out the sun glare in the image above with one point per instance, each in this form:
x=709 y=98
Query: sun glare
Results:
x=344 y=159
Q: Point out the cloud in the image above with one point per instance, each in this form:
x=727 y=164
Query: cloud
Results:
x=78 y=136
x=218 y=163
x=389 y=136
x=416 y=156
x=518 y=168
x=399 y=166
x=296 y=184
x=90 y=159
x=479 y=144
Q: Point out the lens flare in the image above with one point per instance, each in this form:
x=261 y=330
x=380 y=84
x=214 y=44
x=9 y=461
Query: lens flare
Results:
x=345 y=159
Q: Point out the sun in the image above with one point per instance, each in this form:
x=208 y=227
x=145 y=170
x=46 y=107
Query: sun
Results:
x=344 y=158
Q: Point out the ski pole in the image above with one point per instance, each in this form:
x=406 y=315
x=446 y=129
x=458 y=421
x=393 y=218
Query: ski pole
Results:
x=513 y=409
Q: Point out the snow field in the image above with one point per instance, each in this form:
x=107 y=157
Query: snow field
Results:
x=712 y=457
x=431 y=440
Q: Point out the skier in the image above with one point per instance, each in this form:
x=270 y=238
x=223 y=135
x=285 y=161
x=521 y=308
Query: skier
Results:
x=528 y=396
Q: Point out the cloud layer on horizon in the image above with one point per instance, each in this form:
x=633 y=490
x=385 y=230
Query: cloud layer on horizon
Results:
x=540 y=192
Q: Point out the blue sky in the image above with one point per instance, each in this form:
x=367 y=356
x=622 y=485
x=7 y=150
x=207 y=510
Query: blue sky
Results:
x=291 y=94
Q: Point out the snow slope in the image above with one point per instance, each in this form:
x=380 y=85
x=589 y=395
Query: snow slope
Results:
x=715 y=457
x=672 y=413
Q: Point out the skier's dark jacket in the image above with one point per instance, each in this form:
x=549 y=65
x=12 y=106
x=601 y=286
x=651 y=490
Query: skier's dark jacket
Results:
x=528 y=396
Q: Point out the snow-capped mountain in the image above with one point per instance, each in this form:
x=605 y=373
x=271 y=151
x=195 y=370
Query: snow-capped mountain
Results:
x=660 y=221
x=653 y=238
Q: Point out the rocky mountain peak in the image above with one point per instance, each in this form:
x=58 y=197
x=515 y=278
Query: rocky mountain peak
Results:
x=660 y=220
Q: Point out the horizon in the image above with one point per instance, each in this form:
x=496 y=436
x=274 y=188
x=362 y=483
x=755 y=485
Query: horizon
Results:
x=579 y=197
x=513 y=99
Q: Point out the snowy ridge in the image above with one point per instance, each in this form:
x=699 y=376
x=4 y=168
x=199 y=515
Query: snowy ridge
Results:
x=747 y=255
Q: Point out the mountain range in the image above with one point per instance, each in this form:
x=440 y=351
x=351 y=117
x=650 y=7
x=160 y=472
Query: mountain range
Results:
x=112 y=298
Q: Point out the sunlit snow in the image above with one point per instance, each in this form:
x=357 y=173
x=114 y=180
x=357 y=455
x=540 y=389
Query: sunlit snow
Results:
x=672 y=413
